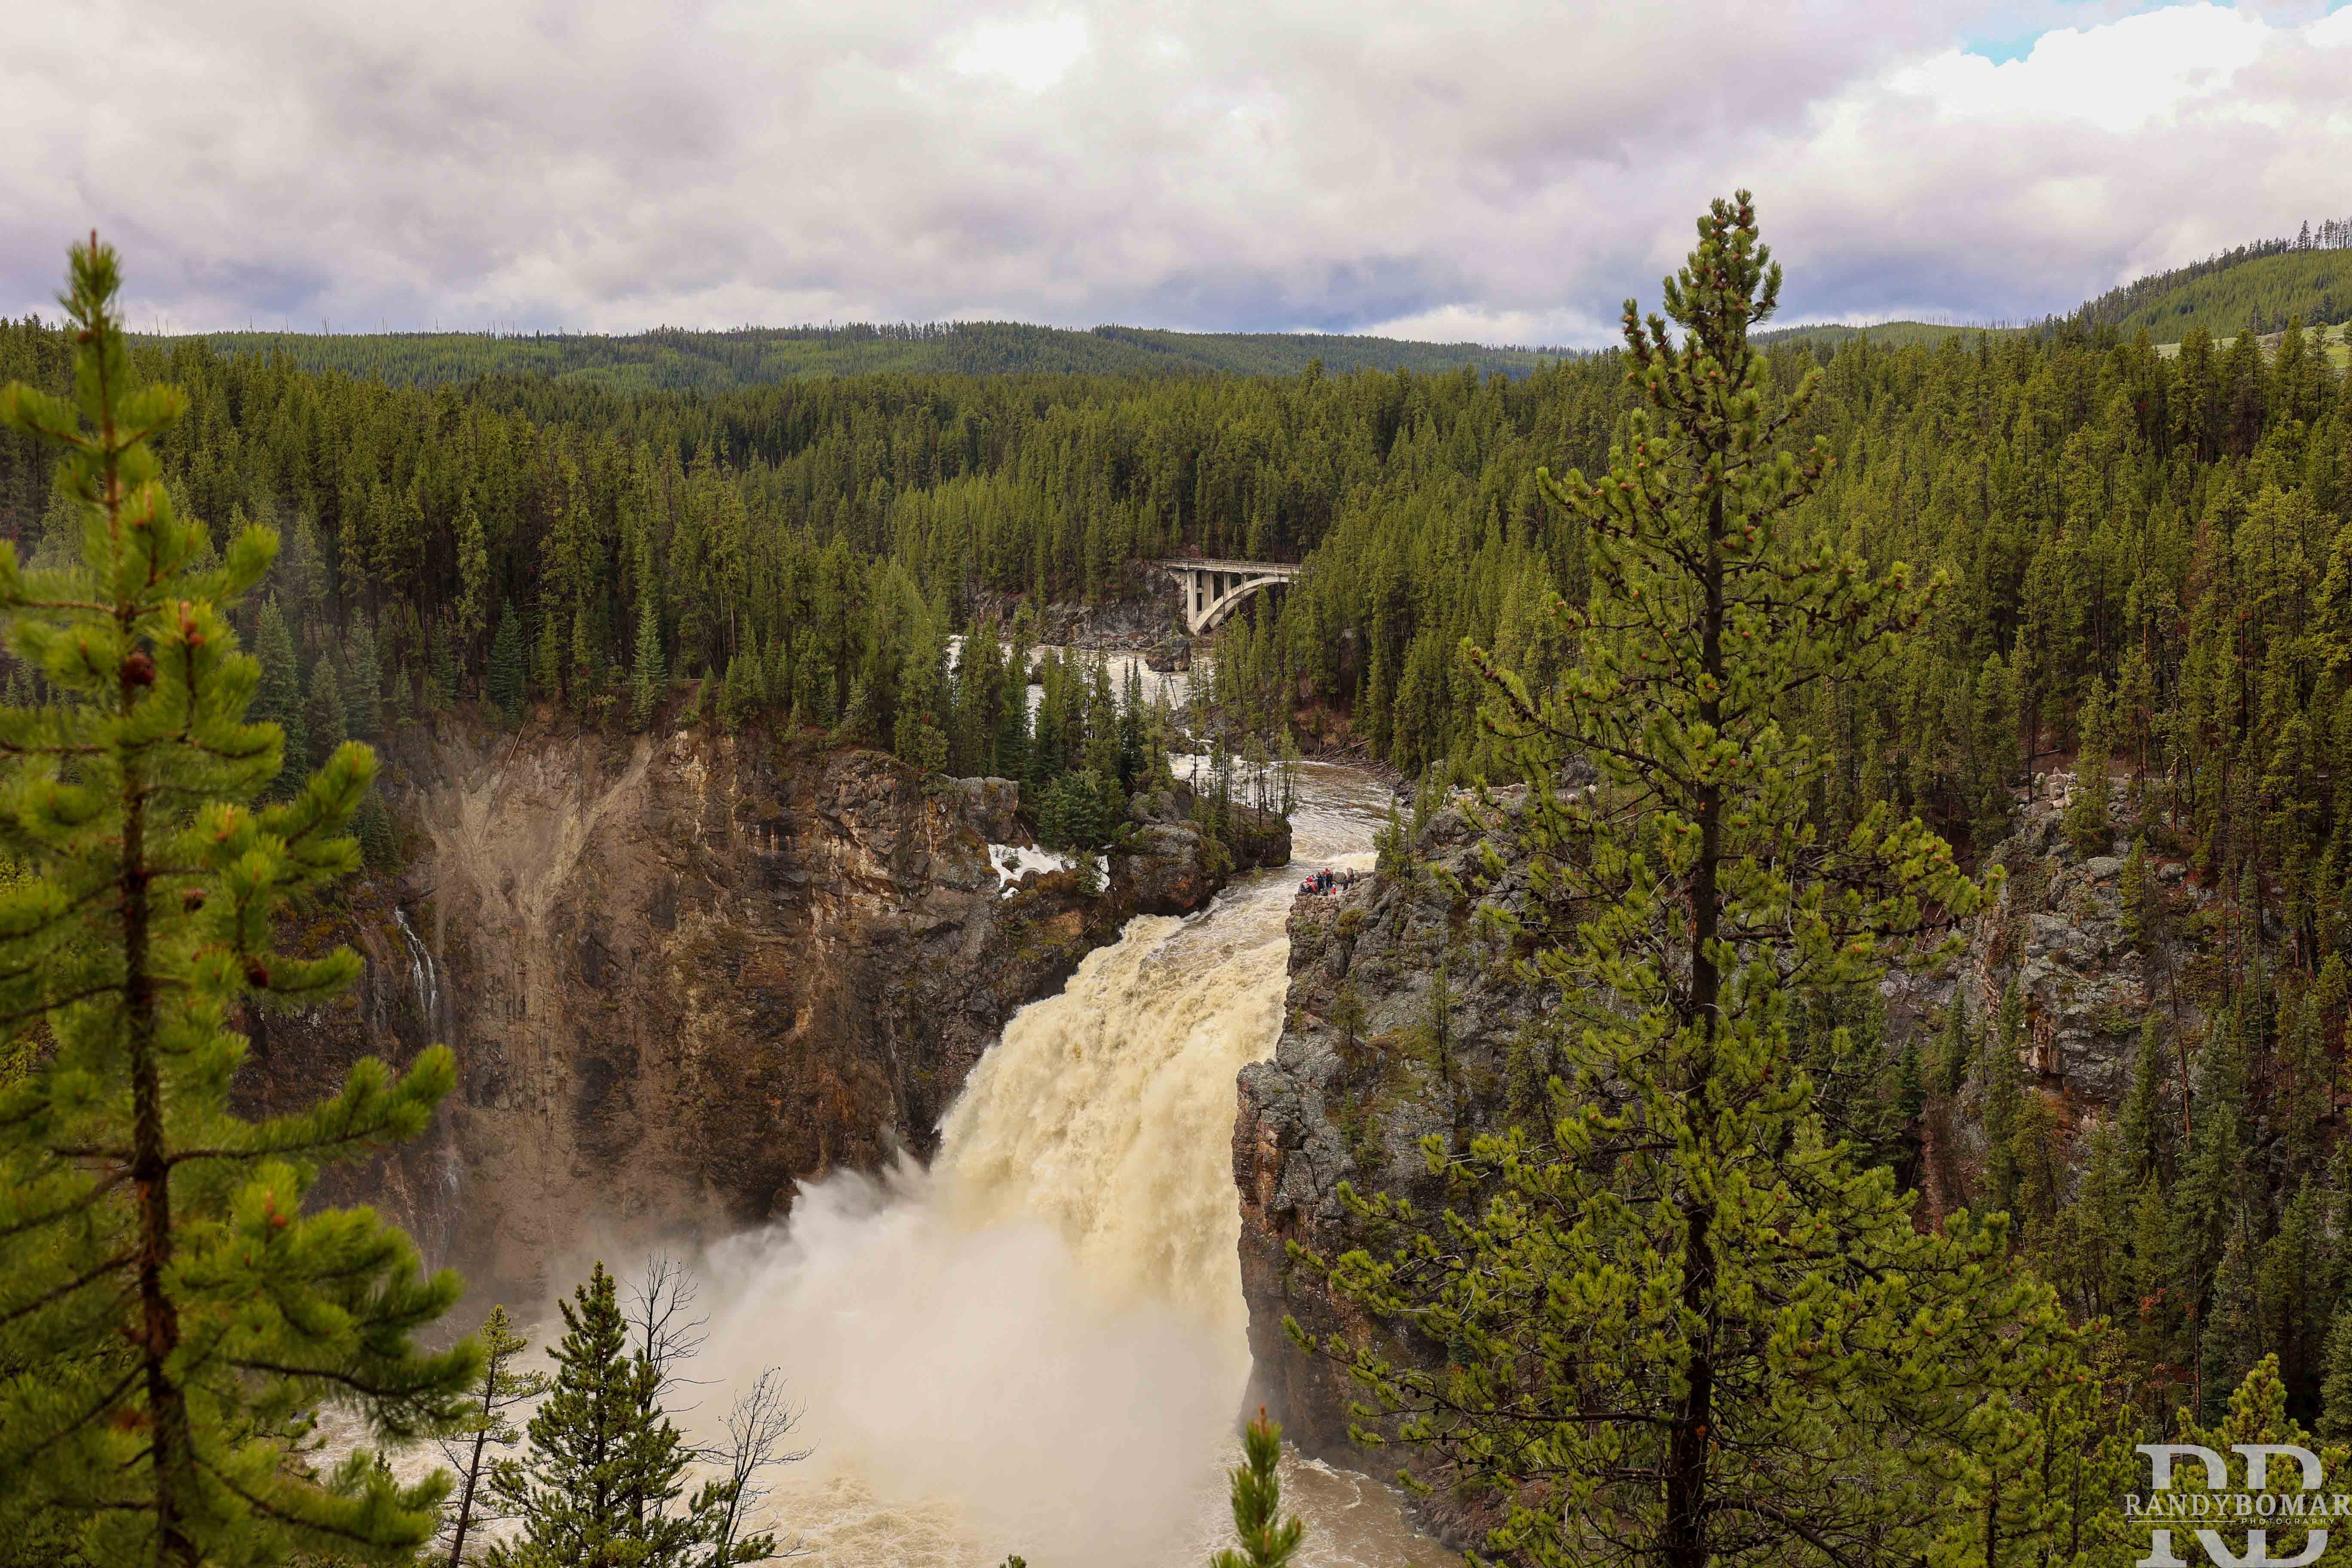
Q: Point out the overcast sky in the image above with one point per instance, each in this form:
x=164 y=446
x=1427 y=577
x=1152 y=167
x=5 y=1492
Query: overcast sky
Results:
x=1501 y=171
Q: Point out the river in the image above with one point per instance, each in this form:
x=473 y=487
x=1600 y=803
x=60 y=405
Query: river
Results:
x=1038 y=1344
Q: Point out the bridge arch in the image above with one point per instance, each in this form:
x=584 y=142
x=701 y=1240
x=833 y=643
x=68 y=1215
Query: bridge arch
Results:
x=1213 y=590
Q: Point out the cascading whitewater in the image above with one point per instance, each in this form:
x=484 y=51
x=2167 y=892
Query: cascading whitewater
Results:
x=1039 y=1344
x=1040 y=1338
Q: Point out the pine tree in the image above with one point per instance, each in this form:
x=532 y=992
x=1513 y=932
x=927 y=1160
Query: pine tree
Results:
x=2207 y=1204
x=323 y=721
x=473 y=573
x=280 y=699
x=502 y=1387
x=547 y=652
x=441 y=645
x=507 y=683
x=2134 y=895
x=297 y=578
x=648 y=675
x=856 y=726
x=2039 y=1480
x=1996 y=757
x=1686 y=1311
x=605 y=1462
x=1910 y=1082
x=920 y=744
x=1954 y=1048
x=1265 y=1538
x=2090 y=1249
x=2335 y=1389
x=363 y=683
x=169 y=1312
x=379 y=842
x=1009 y=747
x=738 y=695
x=2088 y=825
x=2141 y=1121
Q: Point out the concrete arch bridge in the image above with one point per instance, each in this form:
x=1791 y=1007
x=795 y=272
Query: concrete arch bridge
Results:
x=1213 y=590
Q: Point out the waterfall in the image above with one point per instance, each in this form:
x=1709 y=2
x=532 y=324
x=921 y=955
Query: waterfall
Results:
x=424 y=973
x=1039 y=1344
x=438 y=1202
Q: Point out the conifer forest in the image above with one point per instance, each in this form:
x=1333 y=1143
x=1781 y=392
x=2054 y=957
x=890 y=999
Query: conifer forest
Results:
x=1781 y=740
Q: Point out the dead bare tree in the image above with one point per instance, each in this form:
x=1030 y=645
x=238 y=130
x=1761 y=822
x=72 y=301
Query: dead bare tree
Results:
x=661 y=1310
x=756 y=1428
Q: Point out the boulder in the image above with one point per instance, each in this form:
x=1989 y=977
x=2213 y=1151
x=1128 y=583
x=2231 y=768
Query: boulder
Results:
x=1170 y=656
x=993 y=806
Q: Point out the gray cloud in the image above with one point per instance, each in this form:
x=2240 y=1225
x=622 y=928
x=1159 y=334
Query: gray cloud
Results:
x=1506 y=171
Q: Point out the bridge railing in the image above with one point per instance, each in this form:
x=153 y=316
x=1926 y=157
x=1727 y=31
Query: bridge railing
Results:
x=1253 y=568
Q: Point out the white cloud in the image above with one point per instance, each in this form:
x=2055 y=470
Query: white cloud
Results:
x=2119 y=76
x=1032 y=55
x=1508 y=171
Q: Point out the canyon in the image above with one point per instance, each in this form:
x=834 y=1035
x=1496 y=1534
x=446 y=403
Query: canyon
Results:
x=684 y=974
x=738 y=997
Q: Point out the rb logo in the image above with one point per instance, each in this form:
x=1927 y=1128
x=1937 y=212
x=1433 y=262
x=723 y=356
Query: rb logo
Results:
x=2222 y=1505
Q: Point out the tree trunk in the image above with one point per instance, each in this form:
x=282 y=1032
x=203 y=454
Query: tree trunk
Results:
x=151 y=1175
x=473 y=1468
x=1684 y=1536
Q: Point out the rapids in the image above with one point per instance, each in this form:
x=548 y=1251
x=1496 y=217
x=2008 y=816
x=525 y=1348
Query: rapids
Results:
x=1038 y=1344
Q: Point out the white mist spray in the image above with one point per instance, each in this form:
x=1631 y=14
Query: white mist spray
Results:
x=1039 y=1345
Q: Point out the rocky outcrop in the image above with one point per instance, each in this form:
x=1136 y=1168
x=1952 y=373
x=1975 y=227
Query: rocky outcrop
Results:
x=1397 y=1030
x=2058 y=932
x=1142 y=617
x=681 y=973
x=1170 y=655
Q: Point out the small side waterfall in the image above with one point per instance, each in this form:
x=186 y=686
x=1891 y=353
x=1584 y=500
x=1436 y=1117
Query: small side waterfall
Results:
x=423 y=972
x=438 y=1201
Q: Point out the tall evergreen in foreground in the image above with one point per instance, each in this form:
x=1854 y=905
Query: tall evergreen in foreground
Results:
x=169 y=1314
x=1688 y=1328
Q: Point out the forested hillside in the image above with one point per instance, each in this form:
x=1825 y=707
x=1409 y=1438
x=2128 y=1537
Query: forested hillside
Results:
x=2096 y=507
x=1886 y=334
x=2313 y=286
x=2266 y=284
x=2146 y=558
x=673 y=360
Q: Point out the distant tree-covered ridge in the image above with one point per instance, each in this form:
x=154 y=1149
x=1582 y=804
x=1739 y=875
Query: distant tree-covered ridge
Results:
x=2266 y=284
x=675 y=360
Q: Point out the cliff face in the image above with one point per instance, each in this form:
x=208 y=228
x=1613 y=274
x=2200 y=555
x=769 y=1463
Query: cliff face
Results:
x=1358 y=1080
x=1378 y=1052
x=681 y=973
x=2059 y=931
